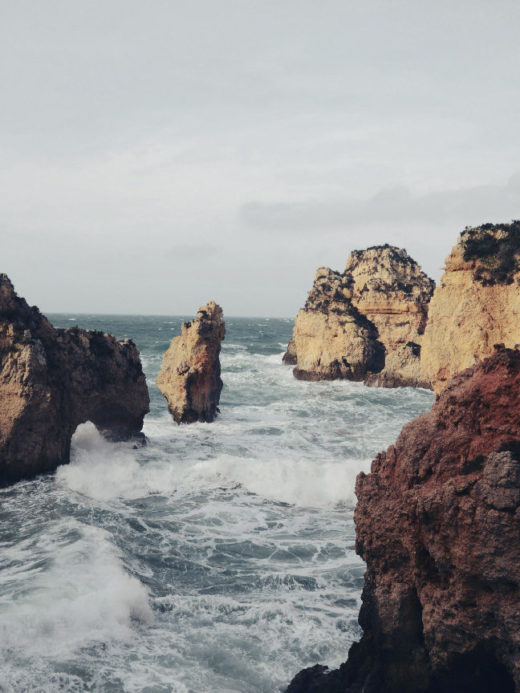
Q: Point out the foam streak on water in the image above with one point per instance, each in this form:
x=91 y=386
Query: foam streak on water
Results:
x=217 y=558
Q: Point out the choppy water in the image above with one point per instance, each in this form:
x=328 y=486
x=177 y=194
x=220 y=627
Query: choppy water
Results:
x=217 y=559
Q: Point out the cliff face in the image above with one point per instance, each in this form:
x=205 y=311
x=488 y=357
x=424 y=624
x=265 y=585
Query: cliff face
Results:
x=189 y=377
x=52 y=380
x=477 y=303
x=371 y=317
x=437 y=523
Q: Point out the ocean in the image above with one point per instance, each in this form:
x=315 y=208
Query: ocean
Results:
x=218 y=558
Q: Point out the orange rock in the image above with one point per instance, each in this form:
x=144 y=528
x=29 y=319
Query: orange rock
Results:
x=477 y=302
x=189 y=377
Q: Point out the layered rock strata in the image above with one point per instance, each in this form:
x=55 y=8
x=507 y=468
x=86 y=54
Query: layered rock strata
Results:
x=189 y=377
x=437 y=522
x=51 y=380
x=365 y=323
x=477 y=302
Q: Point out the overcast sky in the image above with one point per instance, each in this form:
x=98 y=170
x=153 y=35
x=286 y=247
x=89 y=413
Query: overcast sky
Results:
x=156 y=155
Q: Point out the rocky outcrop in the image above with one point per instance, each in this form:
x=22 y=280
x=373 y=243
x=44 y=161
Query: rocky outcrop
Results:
x=331 y=338
x=437 y=522
x=189 y=377
x=366 y=323
x=51 y=380
x=477 y=303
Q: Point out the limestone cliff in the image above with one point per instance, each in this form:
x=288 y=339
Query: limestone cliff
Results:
x=437 y=522
x=371 y=317
x=189 y=377
x=477 y=303
x=51 y=380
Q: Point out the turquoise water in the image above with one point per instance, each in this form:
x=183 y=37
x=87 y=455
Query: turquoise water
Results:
x=219 y=558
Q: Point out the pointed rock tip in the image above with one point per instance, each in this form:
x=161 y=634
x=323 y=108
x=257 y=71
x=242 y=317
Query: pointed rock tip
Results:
x=211 y=310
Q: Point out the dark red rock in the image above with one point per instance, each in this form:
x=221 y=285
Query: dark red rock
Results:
x=51 y=380
x=438 y=524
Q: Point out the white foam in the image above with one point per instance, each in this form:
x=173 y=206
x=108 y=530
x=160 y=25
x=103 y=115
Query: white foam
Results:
x=301 y=482
x=104 y=471
x=81 y=595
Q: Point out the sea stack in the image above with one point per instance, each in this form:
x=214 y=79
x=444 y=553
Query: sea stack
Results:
x=366 y=323
x=477 y=303
x=437 y=523
x=51 y=380
x=189 y=377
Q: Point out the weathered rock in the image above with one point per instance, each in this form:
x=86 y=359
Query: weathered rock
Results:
x=437 y=522
x=372 y=317
x=477 y=303
x=51 y=380
x=331 y=338
x=189 y=377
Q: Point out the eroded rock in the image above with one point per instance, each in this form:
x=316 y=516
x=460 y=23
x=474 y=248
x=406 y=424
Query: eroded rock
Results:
x=189 y=377
x=331 y=338
x=477 y=302
x=365 y=323
x=51 y=380
x=437 y=522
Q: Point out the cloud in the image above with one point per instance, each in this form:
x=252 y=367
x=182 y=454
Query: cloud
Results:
x=193 y=251
x=470 y=205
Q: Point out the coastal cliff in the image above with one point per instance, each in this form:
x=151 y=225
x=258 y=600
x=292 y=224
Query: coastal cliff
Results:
x=189 y=377
x=437 y=523
x=366 y=323
x=51 y=380
x=477 y=302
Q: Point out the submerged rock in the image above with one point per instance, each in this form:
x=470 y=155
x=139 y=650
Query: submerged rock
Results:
x=51 y=380
x=366 y=323
x=437 y=522
x=477 y=303
x=189 y=377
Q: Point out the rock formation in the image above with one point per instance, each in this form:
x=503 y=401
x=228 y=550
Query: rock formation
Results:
x=437 y=523
x=190 y=373
x=477 y=303
x=331 y=338
x=365 y=324
x=51 y=380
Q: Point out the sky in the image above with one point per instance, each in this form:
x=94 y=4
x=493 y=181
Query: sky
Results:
x=157 y=155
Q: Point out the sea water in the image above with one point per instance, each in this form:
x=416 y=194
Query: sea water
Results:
x=220 y=557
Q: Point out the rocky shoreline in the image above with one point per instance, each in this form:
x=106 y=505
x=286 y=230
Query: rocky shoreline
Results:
x=437 y=518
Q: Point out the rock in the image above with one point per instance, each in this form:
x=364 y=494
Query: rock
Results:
x=437 y=522
x=331 y=338
x=51 y=380
x=189 y=377
x=477 y=303
x=371 y=317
